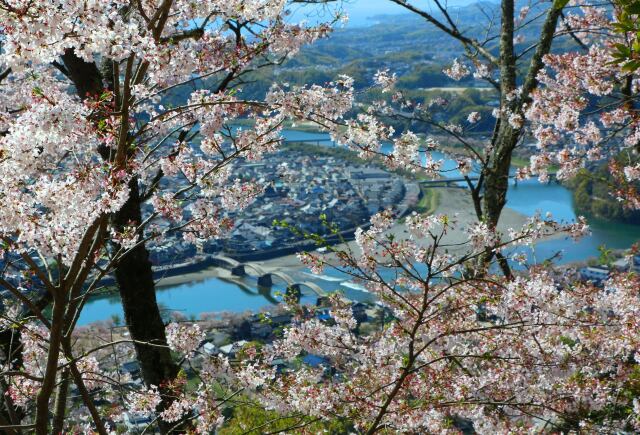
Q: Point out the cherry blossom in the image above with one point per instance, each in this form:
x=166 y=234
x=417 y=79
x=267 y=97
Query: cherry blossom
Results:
x=632 y=173
x=473 y=117
x=526 y=358
x=481 y=71
x=183 y=338
x=457 y=70
x=75 y=151
x=385 y=80
x=503 y=353
x=577 y=103
x=313 y=261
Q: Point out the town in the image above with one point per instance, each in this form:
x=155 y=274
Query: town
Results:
x=300 y=188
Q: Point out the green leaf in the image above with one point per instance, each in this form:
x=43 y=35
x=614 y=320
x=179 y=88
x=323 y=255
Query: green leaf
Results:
x=633 y=9
x=559 y=4
x=623 y=49
x=631 y=66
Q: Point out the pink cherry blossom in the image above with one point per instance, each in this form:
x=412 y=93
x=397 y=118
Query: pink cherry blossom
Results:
x=184 y=339
x=457 y=70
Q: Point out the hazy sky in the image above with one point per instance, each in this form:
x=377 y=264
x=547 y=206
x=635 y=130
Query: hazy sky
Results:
x=363 y=8
x=360 y=10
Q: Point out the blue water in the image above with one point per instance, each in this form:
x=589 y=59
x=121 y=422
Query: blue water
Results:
x=215 y=295
x=191 y=299
x=529 y=197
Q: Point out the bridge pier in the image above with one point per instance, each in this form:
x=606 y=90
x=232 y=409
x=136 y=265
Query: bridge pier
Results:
x=294 y=292
x=265 y=280
x=238 y=270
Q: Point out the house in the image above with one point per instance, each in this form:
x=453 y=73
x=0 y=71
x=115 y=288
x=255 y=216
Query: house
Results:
x=315 y=360
x=210 y=348
x=281 y=319
x=621 y=265
x=359 y=311
x=595 y=274
x=280 y=364
x=137 y=422
x=260 y=329
x=324 y=315
x=232 y=349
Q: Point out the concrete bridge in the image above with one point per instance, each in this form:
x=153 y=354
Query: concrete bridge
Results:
x=317 y=141
x=313 y=287
x=447 y=182
x=266 y=279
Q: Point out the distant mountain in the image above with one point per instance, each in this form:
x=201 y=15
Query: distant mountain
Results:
x=409 y=46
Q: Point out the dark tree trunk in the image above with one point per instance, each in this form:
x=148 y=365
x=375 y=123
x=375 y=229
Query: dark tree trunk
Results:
x=137 y=290
x=497 y=174
x=11 y=350
x=497 y=177
x=506 y=137
x=85 y=75
x=134 y=274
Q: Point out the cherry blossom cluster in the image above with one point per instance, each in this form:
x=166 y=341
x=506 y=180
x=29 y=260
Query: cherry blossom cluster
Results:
x=184 y=339
x=385 y=80
x=171 y=53
x=457 y=70
x=52 y=185
x=581 y=111
x=204 y=402
x=473 y=117
x=313 y=261
x=324 y=104
x=71 y=159
x=533 y=345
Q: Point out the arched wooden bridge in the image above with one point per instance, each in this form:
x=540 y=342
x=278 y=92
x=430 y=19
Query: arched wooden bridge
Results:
x=265 y=279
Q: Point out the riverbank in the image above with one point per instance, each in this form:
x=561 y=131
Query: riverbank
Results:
x=452 y=201
x=446 y=144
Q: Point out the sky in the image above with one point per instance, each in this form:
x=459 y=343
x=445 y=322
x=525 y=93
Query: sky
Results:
x=360 y=11
x=363 y=8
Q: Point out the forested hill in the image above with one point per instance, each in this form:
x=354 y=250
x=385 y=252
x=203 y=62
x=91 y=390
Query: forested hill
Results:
x=592 y=193
x=406 y=44
x=413 y=49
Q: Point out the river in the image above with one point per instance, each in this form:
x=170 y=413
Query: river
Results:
x=216 y=295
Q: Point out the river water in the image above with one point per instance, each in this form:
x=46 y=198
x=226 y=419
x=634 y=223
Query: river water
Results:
x=528 y=197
